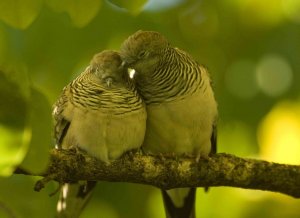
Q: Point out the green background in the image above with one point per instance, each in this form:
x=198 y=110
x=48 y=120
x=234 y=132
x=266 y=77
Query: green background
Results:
x=251 y=47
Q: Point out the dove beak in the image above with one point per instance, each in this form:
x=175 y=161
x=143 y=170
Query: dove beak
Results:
x=131 y=73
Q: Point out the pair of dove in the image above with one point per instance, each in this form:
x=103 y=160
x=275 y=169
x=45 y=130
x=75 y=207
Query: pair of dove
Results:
x=167 y=108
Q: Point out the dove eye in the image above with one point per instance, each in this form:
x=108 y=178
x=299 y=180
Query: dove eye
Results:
x=105 y=78
x=94 y=69
x=142 y=54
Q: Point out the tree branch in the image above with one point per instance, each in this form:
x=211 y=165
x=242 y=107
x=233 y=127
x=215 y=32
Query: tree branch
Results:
x=170 y=172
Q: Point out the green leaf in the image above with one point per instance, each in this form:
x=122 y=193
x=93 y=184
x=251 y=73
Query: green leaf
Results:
x=40 y=124
x=13 y=114
x=19 y=13
x=13 y=148
x=3 y=44
x=81 y=12
x=134 y=6
x=19 y=200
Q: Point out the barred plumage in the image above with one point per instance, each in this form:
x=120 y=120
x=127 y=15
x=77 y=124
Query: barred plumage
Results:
x=176 y=76
x=90 y=93
x=86 y=93
x=99 y=112
x=180 y=104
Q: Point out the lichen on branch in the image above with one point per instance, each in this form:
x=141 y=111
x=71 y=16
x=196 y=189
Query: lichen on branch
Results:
x=173 y=172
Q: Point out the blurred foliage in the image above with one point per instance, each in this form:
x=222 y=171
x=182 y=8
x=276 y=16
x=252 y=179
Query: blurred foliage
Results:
x=14 y=138
x=251 y=47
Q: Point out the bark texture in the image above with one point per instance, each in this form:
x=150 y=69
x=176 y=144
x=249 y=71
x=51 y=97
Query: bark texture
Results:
x=173 y=172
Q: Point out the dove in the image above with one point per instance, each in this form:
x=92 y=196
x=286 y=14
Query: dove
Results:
x=181 y=107
x=99 y=112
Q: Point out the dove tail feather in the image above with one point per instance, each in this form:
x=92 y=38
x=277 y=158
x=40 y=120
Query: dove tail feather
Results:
x=186 y=211
x=73 y=199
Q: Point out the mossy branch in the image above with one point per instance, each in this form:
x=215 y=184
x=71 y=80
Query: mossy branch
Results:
x=170 y=172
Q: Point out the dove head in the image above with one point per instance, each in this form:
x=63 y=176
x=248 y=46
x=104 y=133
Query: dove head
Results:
x=142 y=51
x=107 y=67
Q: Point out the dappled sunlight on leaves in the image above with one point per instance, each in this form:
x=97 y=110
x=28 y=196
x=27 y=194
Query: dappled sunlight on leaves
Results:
x=25 y=124
x=259 y=14
x=244 y=203
x=40 y=124
x=13 y=148
x=291 y=9
x=279 y=133
x=3 y=45
x=155 y=205
x=19 y=13
x=95 y=206
x=158 y=5
x=198 y=21
x=240 y=79
x=134 y=7
x=30 y=204
x=81 y=12
x=14 y=137
x=274 y=75
x=236 y=138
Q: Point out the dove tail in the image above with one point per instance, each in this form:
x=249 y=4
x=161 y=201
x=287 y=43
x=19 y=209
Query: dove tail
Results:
x=187 y=207
x=73 y=199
